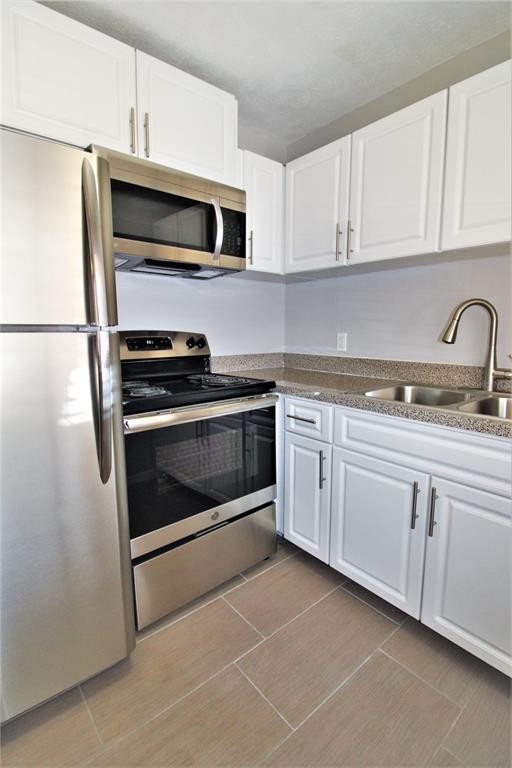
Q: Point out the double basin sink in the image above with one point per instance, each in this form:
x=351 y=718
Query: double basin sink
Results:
x=479 y=402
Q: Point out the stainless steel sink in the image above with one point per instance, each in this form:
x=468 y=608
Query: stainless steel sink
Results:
x=494 y=405
x=405 y=393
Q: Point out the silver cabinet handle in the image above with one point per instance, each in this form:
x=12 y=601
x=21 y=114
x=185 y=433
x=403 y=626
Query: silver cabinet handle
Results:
x=321 y=478
x=251 y=246
x=338 y=235
x=132 y=130
x=414 y=514
x=300 y=418
x=146 y=134
x=432 y=521
x=349 y=238
x=98 y=218
x=220 y=229
x=101 y=386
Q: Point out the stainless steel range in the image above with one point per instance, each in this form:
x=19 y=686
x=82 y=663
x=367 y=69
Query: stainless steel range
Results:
x=201 y=469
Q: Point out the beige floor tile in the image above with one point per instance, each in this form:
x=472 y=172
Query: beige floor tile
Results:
x=55 y=735
x=224 y=723
x=284 y=550
x=279 y=595
x=444 y=759
x=383 y=716
x=442 y=664
x=166 y=666
x=482 y=735
x=304 y=662
x=189 y=607
x=395 y=614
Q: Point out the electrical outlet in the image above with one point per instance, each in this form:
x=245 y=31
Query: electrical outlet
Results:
x=342 y=342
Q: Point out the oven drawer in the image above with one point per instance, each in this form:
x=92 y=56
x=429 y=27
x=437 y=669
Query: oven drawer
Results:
x=168 y=581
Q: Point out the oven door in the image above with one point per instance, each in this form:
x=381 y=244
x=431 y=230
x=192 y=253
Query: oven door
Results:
x=175 y=225
x=194 y=468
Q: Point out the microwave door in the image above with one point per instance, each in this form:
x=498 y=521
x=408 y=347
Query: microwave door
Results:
x=57 y=263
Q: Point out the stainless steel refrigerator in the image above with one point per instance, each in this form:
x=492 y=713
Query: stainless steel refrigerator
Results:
x=66 y=601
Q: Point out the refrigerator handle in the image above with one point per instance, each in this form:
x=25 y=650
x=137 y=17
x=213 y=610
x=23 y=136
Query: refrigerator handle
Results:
x=101 y=390
x=100 y=261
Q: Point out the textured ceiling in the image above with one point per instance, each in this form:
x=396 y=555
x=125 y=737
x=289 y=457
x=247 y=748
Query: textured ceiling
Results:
x=296 y=66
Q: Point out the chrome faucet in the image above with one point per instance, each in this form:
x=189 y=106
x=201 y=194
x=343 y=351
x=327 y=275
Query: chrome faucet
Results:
x=491 y=366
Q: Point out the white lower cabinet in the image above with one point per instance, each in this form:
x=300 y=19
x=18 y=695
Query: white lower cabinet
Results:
x=307 y=494
x=379 y=517
x=467 y=595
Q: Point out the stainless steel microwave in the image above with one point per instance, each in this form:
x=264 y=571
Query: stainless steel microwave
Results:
x=166 y=222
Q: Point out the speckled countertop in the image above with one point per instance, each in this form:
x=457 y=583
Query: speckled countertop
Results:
x=343 y=389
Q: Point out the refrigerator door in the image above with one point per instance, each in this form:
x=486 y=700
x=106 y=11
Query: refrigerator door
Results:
x=67 y=607
x=57 y=262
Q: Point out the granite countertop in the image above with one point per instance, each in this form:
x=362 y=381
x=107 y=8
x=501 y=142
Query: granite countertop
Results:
x=343 y=389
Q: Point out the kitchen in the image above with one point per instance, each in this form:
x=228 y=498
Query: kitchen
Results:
x=256 y=408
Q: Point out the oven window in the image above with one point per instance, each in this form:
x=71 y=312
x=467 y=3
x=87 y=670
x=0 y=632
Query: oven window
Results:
x=180 y=471
x=148 y=215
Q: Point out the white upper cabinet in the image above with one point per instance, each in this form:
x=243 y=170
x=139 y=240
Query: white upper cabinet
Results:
x=396 y=183
x=317 y=194
x=477 y=198
x=263 y=184
x=184 y=122
x=466 y=594
x=64 y=80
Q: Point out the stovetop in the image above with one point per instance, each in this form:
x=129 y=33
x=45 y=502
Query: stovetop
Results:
x=161 y=392
x=169 y=369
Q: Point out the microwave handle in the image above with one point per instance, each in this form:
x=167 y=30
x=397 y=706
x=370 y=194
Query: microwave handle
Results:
x=220 y=229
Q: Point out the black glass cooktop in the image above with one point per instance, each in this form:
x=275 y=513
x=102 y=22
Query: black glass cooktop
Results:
x=140 y=395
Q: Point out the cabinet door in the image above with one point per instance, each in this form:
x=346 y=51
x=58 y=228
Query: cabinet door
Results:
x=396 y=183
x=307 y=494
x=466 y=595
x=374 y=508
x=184 y=122
x=64 y=80
x=263 y=183
x=317 y=190
x=477 y=197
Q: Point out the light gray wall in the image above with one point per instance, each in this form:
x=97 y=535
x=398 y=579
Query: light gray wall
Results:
x=400 y=313
x=466 y=64
x=238 y=314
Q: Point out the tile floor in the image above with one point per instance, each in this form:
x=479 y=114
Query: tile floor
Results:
x=288 y=664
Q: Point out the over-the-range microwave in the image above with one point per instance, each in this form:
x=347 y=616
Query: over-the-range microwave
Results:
x=166 y=222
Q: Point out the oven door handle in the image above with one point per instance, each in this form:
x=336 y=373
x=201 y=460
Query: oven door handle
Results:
x=147 y=421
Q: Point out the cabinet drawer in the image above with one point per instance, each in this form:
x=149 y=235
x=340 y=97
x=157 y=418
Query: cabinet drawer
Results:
x=305 y=417
x=473 y=459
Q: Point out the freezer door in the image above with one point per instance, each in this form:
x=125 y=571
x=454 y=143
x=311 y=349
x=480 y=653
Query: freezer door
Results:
x=56 y=244
x=67 y=608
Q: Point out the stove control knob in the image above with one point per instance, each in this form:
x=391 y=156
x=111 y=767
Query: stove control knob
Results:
x=201 y=342
x=190 y=342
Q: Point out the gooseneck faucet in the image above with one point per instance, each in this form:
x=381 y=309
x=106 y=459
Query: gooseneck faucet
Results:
x=450 y=334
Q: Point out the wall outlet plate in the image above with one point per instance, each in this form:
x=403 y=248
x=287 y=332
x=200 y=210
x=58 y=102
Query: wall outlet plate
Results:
x=342 y=340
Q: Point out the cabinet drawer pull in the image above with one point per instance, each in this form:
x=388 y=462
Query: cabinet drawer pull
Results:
x=300 y=418
x=432 y=521
x=349 y=238
x=414 y=514
x=321 y=478
x=132 y=130
x=146 y=134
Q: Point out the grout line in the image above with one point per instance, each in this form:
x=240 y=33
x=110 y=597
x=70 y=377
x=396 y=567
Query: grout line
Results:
x=407 y=669
x=86 y=705
x=274 y=565
x=243 y=617
x=331 y=694
x=395 y=621
x=283 y=718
